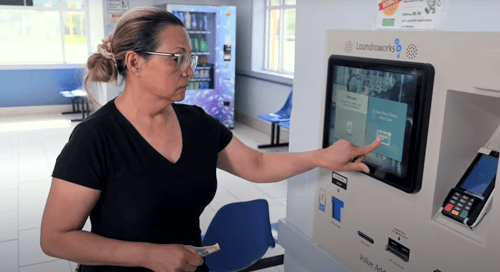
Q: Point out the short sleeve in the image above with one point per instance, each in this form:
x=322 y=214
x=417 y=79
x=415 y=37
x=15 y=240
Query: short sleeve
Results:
x=223 y=133
x=82 y=160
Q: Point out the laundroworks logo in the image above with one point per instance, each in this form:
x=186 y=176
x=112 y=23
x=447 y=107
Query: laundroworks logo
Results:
x=391 y=48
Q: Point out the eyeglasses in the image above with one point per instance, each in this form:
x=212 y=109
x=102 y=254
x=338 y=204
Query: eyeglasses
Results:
x=182 y=59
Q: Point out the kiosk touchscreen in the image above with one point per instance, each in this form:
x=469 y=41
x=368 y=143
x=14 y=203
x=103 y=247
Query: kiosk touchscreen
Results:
x=468 y=201
x=370 y=98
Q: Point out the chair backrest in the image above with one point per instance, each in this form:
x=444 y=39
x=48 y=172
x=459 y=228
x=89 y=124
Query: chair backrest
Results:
x=287 y=108
x=243 y=231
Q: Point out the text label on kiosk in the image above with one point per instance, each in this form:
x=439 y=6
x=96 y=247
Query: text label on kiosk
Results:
x=339 y=180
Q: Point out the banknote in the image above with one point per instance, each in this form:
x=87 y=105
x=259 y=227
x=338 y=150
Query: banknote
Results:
x=207 y=250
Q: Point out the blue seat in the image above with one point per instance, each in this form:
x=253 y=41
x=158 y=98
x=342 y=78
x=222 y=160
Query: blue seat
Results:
x=284 y=124
x=243 y=231
x=280 y=116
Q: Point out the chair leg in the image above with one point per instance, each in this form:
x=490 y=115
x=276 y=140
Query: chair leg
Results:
x=274 y=128
x=74 y=105
x=277 y=134
x=83 y=110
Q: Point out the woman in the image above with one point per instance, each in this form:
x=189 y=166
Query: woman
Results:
x=144 y=168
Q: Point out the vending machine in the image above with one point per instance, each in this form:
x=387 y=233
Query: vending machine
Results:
x=212 y=32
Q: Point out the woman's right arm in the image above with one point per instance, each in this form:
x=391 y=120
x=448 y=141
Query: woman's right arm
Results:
x=66 y=211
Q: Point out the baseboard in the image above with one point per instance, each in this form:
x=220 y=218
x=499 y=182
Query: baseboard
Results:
x=260 y=125
x=12 y=111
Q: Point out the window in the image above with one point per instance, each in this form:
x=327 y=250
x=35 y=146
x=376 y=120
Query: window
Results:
x=280 y=36
x=43 y=31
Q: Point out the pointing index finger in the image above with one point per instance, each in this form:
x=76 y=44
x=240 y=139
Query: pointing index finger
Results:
x=369 y=148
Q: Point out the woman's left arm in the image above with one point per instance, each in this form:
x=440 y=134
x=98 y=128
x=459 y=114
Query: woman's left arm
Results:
x=245 y=162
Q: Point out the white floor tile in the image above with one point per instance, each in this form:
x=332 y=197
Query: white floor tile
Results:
x=222 y=199
x=270 y=201
x=8 y=200
x=8 y=226
x=205 y=219
x=245 y=191
x=32 y=199
x=73 y=266
x=27 y=147
x=275 y=190
x=8 y=256
x=277 y=250
x=57 y=266
x=226 y=179
x=8 y=175
x=31 y=162
x=282 y=200
x=35 y=174
x=30 y=251
x=87 y=226
x=277 y=212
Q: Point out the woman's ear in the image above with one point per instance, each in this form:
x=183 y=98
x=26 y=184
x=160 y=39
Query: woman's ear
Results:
x=133 y=62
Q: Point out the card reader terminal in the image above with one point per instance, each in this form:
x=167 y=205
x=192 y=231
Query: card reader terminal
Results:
x=468 y=201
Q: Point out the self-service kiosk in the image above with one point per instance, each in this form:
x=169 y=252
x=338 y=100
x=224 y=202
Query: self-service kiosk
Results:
x=428 y=202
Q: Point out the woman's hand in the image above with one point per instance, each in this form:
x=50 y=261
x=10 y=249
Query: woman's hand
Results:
x=172 y=258
x=344 y=156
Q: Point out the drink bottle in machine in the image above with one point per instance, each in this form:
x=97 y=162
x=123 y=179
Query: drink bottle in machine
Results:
x=212 y=32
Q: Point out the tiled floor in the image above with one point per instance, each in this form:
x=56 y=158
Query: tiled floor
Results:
x=28 y=150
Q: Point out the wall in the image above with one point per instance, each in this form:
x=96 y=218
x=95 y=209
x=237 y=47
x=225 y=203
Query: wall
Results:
x=314 y=17
x=256 y=93
x=37 y=87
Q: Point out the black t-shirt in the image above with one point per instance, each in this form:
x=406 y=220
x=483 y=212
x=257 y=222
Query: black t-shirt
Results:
x=144 y=197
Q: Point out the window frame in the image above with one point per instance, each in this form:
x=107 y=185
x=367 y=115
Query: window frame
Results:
x=282 y=7
x=52 y=65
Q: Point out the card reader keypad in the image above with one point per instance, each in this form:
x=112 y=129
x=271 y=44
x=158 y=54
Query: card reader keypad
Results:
x=459 y=205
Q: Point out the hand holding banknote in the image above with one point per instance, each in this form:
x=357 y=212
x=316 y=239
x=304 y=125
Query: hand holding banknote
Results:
x=207 y=250
x=172 y=258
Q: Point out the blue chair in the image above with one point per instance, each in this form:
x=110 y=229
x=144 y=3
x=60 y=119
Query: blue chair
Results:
x=280 y=116
x=78 y=101
x=243 y=231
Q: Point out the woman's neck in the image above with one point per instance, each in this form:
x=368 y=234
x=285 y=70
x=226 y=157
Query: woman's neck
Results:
x=143 y=107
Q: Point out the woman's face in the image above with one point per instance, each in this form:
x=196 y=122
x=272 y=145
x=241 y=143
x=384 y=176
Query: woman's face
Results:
x=161 y=75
